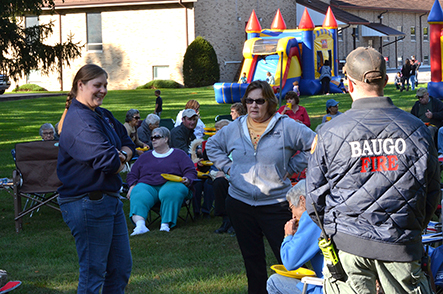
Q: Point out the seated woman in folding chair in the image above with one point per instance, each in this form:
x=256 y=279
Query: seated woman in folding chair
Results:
x=299 y=246
x=148 y=186
x=94 y=147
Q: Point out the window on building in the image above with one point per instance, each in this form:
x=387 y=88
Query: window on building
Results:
x=34 y=75
x=425 y=34
x=357 y=33
x=426 y=60
x=413 y=33
x=31 y=21
x=400 y=29
x=94 y=31
x=340 y=35
x=160 y=72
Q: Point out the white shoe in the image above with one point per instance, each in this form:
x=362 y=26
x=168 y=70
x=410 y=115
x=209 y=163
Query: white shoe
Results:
x=164 y=227
x=140 y=230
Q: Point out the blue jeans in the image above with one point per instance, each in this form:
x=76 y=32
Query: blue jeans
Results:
x=278 y=284
x=413 y=79
x=102 y=241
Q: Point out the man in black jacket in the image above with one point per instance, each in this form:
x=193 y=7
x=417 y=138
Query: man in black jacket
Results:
x=429 y=110
x=374 y=178
x=183 y=135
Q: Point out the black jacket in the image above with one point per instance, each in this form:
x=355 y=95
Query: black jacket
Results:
x=406 y=70
x=144 y=134
x=375 y=180
x=181 y=137
x=437 y=111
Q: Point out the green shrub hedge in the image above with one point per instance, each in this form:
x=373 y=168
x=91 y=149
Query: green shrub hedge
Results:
x=29 y=88
x=200 y=65
x=158 y=84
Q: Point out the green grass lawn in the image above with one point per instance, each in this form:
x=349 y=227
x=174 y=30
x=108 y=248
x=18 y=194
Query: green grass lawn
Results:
x=190 y=259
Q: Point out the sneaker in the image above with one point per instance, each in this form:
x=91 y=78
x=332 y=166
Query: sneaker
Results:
x=164 y=227
x=139 y=230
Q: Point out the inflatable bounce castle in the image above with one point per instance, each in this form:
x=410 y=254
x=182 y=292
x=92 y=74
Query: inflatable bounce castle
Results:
x=288 y=54
x=435 y=20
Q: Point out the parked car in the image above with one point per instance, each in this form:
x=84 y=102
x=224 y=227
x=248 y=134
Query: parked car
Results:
x=4 y=83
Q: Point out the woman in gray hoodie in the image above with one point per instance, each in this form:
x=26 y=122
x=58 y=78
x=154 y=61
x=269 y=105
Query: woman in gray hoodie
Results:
x=262 y=145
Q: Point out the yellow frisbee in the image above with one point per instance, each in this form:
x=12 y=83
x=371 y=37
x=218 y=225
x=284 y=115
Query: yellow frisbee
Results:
x=172 y=178
x=297 y=274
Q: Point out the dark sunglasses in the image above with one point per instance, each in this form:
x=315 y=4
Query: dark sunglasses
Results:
x=420 y=97
x=156 y=137
x=259 y=101
x=137 y=117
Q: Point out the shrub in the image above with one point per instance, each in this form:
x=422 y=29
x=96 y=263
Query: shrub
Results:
x=29 y=88
x=157 y=84
x=200 y=65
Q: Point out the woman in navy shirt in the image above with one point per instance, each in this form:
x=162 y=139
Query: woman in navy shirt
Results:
x=94 y=148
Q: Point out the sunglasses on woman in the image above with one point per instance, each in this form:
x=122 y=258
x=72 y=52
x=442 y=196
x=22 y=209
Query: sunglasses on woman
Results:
x=156 y=137
x=259 y=101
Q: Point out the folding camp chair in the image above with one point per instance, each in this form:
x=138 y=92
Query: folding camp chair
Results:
x=223 y=116
x=156 y=209
x=35 y=178
x=169 y=123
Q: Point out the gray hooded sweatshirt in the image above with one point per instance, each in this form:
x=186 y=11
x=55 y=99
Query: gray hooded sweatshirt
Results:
x=256 y=176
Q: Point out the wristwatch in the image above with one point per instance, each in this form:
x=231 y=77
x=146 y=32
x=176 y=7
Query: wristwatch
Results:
x=125 y=154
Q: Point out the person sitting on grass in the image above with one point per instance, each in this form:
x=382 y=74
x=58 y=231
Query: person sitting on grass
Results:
x=331 y=110
x=293 y=110
x=147 y=185
x=200 y=127
x=237 y=110
x=299 y=246
x=397 y=81
x=151 y=122
x=131 y=120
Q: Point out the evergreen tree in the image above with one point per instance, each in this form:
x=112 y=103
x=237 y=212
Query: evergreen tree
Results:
x=23 y=49
x=200 y=65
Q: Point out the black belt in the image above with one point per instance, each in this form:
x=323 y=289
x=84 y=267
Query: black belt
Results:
x=95 y=195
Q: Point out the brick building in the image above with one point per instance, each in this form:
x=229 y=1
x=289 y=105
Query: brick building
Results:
x=140 y=40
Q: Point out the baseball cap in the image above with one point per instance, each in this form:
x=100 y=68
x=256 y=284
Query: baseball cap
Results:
x=189 y=113
x=331 y=102
x=421 y=92
x=365 y=64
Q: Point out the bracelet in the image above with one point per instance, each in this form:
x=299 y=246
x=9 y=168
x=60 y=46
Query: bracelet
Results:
x=125 y=154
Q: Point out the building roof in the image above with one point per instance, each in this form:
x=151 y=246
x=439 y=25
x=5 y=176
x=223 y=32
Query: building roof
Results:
x=380 y=30
x=68 y=4
x=339 y=14
x=413 y=6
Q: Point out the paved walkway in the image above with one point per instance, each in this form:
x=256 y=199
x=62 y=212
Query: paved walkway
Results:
x=21 y=96
x=424 y=74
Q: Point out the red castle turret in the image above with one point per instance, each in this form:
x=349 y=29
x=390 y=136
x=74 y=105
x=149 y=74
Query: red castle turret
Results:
x=278 y=23
x=306 y=21
x=330 y=22
x=253 y=25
